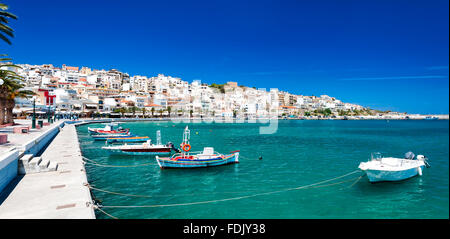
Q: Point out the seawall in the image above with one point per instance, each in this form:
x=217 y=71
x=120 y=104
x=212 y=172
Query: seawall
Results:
x=60 y=194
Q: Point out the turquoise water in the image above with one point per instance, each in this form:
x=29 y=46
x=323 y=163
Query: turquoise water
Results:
x=299 y=153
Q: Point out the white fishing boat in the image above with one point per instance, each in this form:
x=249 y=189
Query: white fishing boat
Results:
x=380 y=168
x=108 y=129
x=146 y=148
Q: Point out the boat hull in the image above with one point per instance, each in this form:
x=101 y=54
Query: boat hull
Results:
x=197 y=163
x=99 y=131
x=127 y=140
x=106 y=137
x=138 y=153
x=391 y=176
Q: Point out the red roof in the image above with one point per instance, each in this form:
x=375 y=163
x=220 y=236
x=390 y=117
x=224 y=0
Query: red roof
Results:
x=289 y=107
x=152 y=105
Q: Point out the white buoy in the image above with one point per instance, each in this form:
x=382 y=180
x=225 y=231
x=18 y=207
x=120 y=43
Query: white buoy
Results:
x=419 y=170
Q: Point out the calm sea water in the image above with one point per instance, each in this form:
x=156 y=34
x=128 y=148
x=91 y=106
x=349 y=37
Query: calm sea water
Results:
x=299 y=153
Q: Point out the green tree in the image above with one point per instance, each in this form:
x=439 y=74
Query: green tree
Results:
x=10 y=83
x=122 y=111
x=5 y=30
x=10 y=89
x=153 y=111
x=169 y=109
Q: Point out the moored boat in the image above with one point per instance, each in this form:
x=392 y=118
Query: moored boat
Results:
x=207 y=158
x=136 y=139
x=379 y=169
x=146 y=148
x=109 y=136
x=108 y=129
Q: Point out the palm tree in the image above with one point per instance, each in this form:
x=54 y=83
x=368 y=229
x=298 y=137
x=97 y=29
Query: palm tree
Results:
x=11 y=88
x=153 y=111
x=5 y=30
x=169 y=109
x=143 y=112
x=122 y=111
x=10 y=82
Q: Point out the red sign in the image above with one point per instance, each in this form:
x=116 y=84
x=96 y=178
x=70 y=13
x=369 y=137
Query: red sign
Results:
x=48 y=98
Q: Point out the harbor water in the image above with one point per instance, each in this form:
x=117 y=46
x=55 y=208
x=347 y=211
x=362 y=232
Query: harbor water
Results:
x=301 y=152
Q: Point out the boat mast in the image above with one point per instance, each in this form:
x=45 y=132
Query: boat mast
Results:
x=186 y=137
x=158 y=137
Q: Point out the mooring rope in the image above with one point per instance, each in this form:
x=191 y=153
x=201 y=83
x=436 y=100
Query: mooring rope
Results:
x=197 y=194
x=132 y=195
x=107 y=214
x=235 y=198
x=164 y=195
x=356 y=180
x=95 y=163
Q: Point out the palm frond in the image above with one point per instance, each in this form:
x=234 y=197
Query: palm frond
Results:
x=4 y=19
x=8 y=14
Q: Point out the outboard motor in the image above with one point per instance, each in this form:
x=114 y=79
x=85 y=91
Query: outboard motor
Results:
x=422 y=158
x=409 y=155
x=173 y=147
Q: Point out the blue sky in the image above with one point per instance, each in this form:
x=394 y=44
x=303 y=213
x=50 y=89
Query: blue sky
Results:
x=388 y=55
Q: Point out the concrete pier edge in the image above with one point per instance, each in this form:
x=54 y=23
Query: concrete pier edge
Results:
x=62 y=194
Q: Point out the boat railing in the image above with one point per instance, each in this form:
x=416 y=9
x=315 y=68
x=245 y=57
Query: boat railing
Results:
x=376 y=156
x=192 y=153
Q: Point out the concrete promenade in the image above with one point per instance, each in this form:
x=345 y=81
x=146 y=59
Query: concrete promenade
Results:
x=52 y=195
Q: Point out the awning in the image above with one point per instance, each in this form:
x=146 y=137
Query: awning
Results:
x=91 y=105
x=77 y=105
x=19 y=110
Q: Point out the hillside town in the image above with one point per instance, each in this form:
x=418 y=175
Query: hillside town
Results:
x=87 y=92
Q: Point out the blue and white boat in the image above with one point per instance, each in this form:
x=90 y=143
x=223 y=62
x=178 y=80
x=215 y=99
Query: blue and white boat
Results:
x=379 y=169
x=109 y=136
x=136 y=139
x=207 y=158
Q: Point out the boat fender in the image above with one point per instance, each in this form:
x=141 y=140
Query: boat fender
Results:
x=419 y=170
x=186 y=147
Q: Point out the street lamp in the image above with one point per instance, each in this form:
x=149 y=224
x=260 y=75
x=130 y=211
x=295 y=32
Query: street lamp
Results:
x=33 y=120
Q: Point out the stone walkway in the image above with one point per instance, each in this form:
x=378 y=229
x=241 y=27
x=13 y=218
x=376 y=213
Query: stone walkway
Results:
x=53 y=195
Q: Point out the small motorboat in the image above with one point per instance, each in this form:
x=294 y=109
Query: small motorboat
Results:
x=109 y=136
x=108 y=129
x=379 y=168
x=207 y=158
x=137 y=139
x=146 y=148
x=431 y=118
